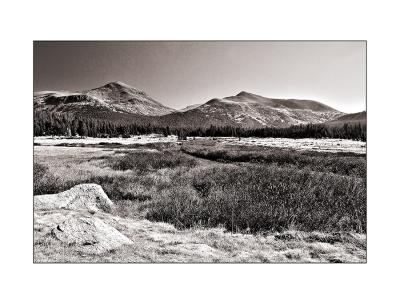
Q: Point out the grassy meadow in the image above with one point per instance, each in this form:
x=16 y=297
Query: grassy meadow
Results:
x=252 y=190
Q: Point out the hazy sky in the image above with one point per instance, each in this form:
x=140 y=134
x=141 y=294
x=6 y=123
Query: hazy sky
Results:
x=178 y=74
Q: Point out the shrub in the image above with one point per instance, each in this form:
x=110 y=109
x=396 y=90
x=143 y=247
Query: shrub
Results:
x=39 y=171
x=102 y=143
x=161 y=146
x=262 y=198
x=339 y=163
x=44 y=182
x=145 y=160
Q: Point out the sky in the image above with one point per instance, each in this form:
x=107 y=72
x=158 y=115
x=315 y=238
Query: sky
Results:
x=179 y=74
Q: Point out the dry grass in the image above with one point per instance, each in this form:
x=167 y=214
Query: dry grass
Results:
x=262 y=198
x=206 y=198
x=160 y=242
x=349 y=164
x=144 y=161
x=171 y=187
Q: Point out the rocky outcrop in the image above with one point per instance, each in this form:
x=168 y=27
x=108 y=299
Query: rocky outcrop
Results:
x=74 y=217
x=89 y=234
x=89 y=197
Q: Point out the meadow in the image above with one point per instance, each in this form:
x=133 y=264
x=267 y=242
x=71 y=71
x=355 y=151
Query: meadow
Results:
x=205 y=184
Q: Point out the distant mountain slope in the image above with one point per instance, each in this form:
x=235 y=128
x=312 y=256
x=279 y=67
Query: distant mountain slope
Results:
x=251 y=110
x=114 y=97
x=117 y=101
x=360 y=117
x=190 y=107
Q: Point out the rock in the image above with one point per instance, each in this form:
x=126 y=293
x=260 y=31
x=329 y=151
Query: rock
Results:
x=89 y=197
x=89 y=234
x=71 y=218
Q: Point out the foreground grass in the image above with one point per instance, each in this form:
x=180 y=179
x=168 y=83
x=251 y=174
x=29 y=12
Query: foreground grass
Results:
x=160 y=242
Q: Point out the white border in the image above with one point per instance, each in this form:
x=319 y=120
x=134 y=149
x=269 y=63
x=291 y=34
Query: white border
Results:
x=25 y=21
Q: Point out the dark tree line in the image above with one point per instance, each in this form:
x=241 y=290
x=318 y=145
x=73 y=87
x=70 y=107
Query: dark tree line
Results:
x=48 y=123
x=355 y=131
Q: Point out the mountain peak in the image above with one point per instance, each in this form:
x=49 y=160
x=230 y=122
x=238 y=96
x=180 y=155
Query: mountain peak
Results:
x=244 y=93
x=248 y=95
x=119 y=87
x=113 y=97
x=245 y=96
x=118 y=84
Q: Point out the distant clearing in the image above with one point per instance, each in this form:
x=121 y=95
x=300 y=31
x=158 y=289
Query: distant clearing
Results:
x=303 y=144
